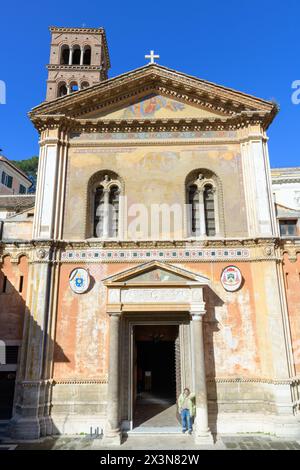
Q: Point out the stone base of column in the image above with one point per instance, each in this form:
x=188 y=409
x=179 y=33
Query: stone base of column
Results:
x=111 y=439
x=49 y=425
x=43 y=431
x=204 y=438
x=27 y=429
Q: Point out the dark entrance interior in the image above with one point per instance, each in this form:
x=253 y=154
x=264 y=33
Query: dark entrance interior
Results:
x=155 y=375
x=7 y=388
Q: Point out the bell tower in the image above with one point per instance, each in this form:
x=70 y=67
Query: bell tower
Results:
x=79 y=58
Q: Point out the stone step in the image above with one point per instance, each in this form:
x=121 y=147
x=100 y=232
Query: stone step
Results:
x=3 y=429
x=155 y=430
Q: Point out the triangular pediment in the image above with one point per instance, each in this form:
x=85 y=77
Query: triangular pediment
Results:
x=154 y=93
x=154 y=106
x=156 y=272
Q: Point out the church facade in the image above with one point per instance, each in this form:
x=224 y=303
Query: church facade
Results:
x=155 y=261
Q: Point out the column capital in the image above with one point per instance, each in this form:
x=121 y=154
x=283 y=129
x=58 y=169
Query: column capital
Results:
x=115 y=313
x=197 y=312
x=200 y=188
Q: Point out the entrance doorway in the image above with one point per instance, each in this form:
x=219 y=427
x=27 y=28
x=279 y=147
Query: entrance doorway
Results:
x=154 y=380
x=7 y=388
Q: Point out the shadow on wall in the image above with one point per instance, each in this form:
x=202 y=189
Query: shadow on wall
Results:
x=31 y=368
x=212 y=300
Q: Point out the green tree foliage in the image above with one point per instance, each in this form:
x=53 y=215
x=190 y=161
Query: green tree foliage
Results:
x=30 y=167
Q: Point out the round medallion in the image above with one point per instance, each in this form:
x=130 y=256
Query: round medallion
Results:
x=231 y=278
x=41 y=253
x=79 y=280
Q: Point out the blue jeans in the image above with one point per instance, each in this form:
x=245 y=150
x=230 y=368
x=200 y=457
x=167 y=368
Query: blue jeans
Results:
x=186 y=420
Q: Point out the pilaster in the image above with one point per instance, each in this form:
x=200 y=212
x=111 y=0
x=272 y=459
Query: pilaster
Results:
x=29 y=421
x=48 y=216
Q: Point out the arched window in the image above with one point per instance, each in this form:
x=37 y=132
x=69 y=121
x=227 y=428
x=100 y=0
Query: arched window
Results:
x=202 y=201
x=106 y=201
x=76 y=55
x=62 y=89
x=84 y=85
x=65 y=55
x=73 y=87
x=87 y=56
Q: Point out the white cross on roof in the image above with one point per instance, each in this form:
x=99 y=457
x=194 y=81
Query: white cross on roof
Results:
x=152 y=56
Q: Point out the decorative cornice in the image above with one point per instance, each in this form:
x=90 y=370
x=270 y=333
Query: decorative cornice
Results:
x=80 y=381
x=104 y=380
x=131 y=244
x=74 y=68
x=241 y=120
x=269 y=381
x=291 y=247
x=59 y=29
x=276 y=180
x=94 y=251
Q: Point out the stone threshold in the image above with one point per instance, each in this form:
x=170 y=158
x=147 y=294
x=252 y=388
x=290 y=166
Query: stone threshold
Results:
x=155 y=430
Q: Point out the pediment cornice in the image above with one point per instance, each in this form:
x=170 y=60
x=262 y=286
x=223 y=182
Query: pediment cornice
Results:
x=230 y=106
x=244 y=119
x=132 y=274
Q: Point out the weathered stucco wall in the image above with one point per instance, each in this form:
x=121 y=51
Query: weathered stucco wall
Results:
x=238 y=325
x=291 y=270
x=17 y=230
x=12 y=301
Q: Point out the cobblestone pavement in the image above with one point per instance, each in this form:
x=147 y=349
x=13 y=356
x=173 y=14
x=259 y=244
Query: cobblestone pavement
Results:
x=157 y=442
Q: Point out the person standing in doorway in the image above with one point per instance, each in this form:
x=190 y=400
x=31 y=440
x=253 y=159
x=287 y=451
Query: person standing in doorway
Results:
x=187 y=408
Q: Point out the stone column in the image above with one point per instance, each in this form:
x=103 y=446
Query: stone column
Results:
x=112 y=433
x=202 y=228
x=71 y=56
x=81 y=55
x=106 y=213
x=201 y=429
x=216 y=207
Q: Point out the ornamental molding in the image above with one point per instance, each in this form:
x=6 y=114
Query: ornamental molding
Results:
x=184 y=243
x=243 y=120
x=138 y=255
x=15 y=254
x=291 y=248
x=74 y=68
x=254 y=380
x=80 y=381
x=285 y=180
x=97 y=146
x=154 y=295
x=194 y=251
x=58 y=29
x=233 y=249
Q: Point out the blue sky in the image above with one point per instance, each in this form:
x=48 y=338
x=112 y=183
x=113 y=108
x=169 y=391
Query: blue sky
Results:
x=252 y=46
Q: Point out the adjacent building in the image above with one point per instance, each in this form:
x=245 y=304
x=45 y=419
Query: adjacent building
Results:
x=12 y=179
